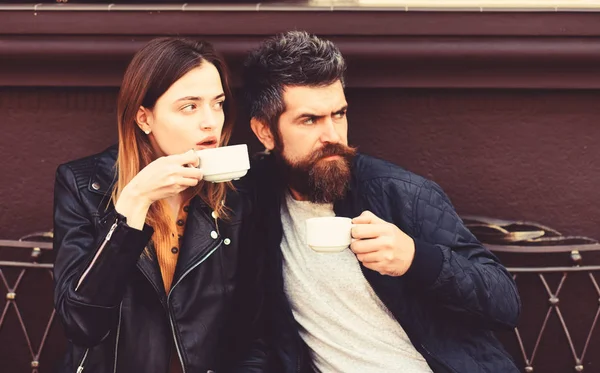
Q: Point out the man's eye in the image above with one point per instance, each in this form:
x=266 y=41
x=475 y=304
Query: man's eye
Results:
x=340 y=114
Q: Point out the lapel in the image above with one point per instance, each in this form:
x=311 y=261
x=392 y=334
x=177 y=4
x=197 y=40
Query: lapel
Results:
x=148 y=265
x=197 y=243
x=198 y=240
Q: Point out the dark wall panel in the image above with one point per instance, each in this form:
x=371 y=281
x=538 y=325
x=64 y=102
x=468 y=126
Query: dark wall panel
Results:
x=514 y=154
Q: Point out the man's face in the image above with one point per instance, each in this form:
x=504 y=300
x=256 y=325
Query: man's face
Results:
x=312 y=143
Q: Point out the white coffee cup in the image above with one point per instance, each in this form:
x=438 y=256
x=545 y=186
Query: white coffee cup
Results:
x=329 y=234
x=224 y=163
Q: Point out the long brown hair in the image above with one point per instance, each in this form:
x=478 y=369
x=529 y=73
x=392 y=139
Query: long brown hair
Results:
x=153 y=69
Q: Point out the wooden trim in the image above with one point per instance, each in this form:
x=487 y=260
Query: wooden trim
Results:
x=383 y=49
x=323 y=22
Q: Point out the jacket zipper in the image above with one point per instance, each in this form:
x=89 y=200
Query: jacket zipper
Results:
x=80 y=367
x=106 y=240
x=299 y=358
x=177 y=347
x=117 y=338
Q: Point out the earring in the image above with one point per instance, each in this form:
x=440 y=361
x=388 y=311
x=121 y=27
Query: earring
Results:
x=147 y=132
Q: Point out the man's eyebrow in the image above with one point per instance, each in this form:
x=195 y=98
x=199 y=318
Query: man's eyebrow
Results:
x=318 y=116
x=308 y=115
x=343 y=108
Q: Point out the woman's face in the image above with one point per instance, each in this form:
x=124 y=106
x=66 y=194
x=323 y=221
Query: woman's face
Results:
x=189 y=115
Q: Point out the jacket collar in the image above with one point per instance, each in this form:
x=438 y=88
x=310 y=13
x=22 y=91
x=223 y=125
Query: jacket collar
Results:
x=104 y=175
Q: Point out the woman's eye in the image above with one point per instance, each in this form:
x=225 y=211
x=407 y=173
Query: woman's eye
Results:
x=219 y=105
x=189 y=107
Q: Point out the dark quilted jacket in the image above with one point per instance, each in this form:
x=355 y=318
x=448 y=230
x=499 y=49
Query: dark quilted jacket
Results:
x=451 y=300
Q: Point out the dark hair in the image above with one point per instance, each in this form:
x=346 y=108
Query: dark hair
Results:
x=159 y=64
x=294 y=58
x=153 y=69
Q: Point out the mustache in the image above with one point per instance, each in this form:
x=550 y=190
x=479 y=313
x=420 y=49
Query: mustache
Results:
x=320 y=182
x=332 y=149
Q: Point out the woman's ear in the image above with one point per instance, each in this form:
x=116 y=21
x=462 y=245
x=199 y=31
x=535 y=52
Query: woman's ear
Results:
x=143 y=118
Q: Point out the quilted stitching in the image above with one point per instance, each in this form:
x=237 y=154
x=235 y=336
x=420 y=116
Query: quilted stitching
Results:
x=472 y=284
x=450 y=321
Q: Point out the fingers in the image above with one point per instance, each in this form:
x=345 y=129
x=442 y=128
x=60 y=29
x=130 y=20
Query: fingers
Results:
x=183 y=165
x=381 y=268
x=364 y=231
x=188 y=158
x=367 y=217
x=191 y=172
x=178 y=184
x=384 y=262
x=373 y=257
x=365 y=246
x=187 y=182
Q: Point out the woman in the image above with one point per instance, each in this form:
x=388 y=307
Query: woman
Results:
x=147 y=252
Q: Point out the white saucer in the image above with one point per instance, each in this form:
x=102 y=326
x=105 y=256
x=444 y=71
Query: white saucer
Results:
x=226 y=176
x=329 y=249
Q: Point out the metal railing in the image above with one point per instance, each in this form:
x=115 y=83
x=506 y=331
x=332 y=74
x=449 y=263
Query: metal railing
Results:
x=549 y=253
x=12 y=275
x=537 y=252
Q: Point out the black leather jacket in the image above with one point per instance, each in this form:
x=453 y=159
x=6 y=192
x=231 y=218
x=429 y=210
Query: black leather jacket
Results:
x=449 y=303
x=120 y=319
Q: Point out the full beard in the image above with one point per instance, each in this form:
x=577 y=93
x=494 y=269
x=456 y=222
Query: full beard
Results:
x=318 y=179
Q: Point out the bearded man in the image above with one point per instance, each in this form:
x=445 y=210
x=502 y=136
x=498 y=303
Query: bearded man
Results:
x=415 y=291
